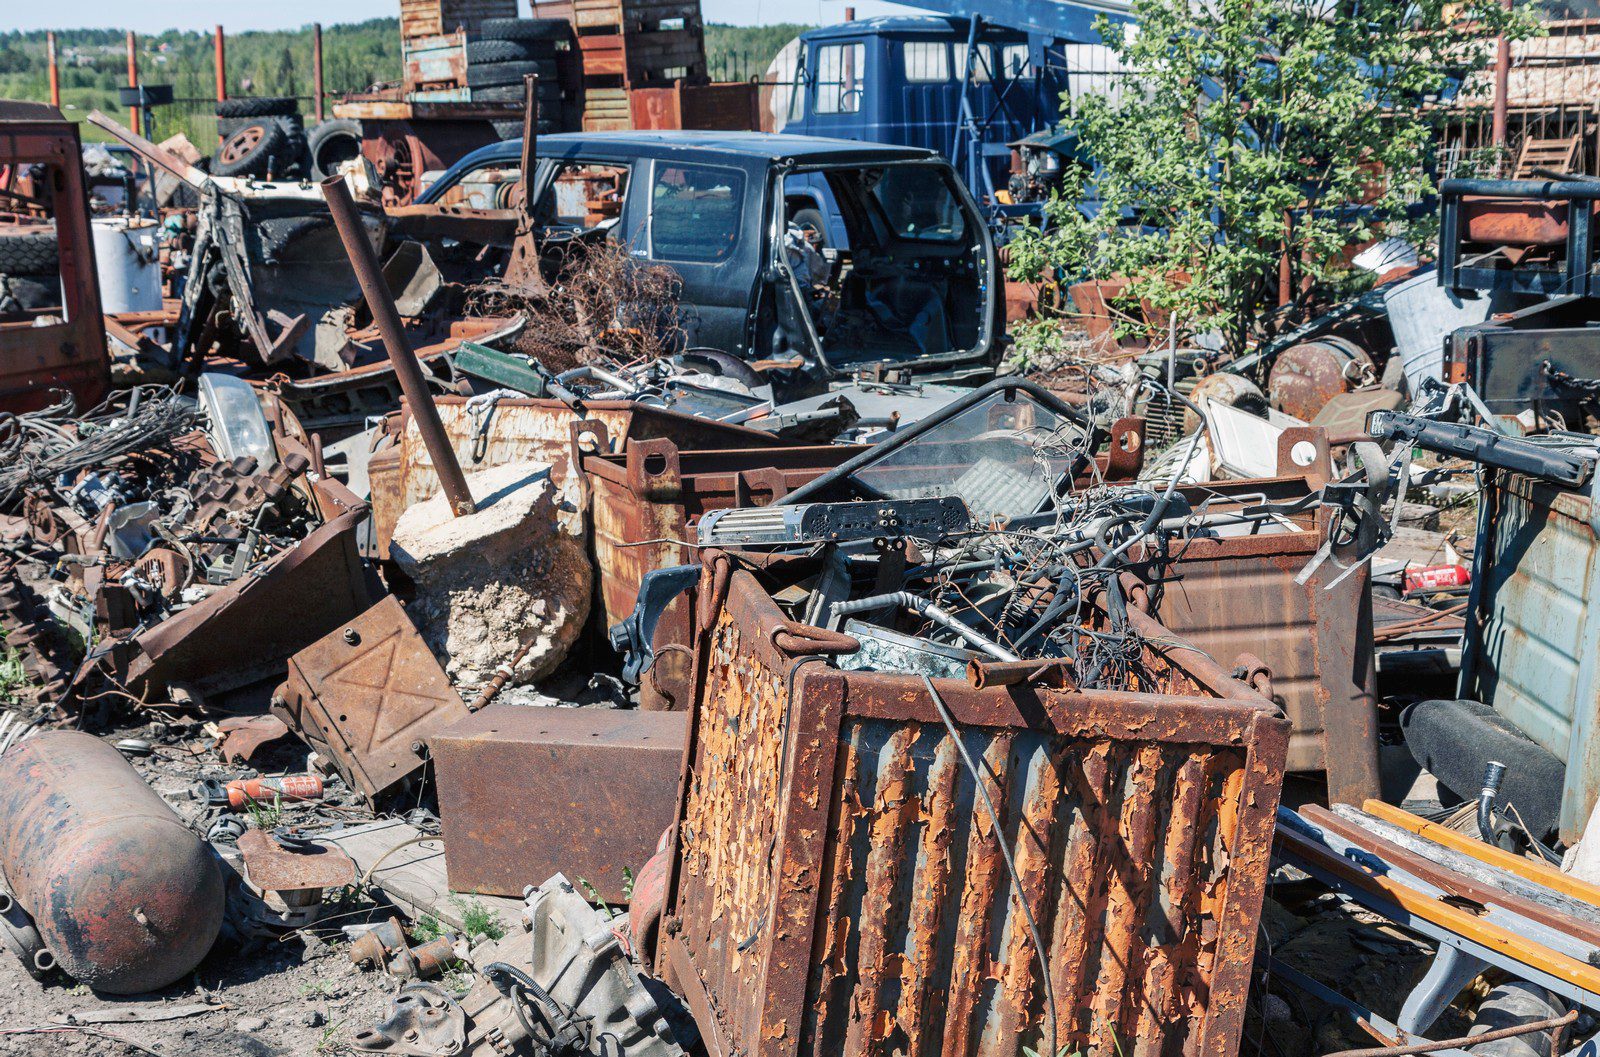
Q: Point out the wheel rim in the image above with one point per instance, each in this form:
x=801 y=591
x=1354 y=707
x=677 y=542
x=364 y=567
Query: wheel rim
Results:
x=242 y=143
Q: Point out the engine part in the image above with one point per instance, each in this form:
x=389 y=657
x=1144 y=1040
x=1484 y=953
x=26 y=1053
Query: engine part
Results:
x=384 y=946
x=1306 y=376
x=21 y=937
x=124 y=897
x=1565 y=458
x=783 y=526
x=423 y=1021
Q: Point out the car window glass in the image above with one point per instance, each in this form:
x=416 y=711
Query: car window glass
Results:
x=918 y=204
x=585 y=195
x=1014 y=62
x=695 y=212
x=981 y=69
x=927 y=61
x=840 y=69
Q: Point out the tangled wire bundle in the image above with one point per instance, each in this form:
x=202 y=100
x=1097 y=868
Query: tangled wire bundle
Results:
x=602 y=305
x=40 y=446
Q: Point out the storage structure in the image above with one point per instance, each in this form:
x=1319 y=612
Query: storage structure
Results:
x=841 y=888
x=431 y=18
x=627 y=44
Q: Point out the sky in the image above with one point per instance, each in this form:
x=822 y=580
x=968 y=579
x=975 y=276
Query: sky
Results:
x=240 y=15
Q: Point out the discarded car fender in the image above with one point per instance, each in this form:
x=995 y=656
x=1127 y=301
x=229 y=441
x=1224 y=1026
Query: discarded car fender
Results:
x=125 y=897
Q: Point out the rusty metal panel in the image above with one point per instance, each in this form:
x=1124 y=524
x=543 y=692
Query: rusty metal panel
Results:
x=1531 y=645
x=528 y=792
x=1233 y=595
x=370 y=694
x=840 y=887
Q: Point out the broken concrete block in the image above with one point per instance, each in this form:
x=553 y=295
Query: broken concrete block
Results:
x=495 y=579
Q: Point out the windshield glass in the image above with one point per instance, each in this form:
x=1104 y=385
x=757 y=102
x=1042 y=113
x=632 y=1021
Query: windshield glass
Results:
x=916 y=203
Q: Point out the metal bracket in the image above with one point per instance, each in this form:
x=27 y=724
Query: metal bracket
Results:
x=634 y=636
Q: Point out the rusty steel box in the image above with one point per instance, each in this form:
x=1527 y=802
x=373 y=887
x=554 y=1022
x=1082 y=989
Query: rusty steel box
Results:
x=839 y=889
x=526 y=792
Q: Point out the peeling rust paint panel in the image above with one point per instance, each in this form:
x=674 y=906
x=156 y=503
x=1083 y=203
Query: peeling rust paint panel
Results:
x=1140 y=826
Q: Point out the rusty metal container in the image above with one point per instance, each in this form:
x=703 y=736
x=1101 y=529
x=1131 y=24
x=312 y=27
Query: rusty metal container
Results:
x=841 y=889
x=1238 y=594
x=525 y=793
x=125 y=897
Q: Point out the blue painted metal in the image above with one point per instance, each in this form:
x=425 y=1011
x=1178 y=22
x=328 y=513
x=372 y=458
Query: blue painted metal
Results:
x=979 y=109
x=1532 y=653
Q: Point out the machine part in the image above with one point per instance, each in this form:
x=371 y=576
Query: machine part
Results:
x=124 y=896
x=368 y=696
x=244 y=736
x=1233 y=390
x=1562 y=458
x=788 y=526
x=886 y=650
x=829 y=856
x=374 y=946
x=635 y=636
x=1493 y=773
x=21 y=937
x=648 y=901
x=423 y=1021
x=922 y=607
x=1306 y=376
x=584 y=971
x=1477 y=214
x=502 y=832
x=1457 y=740
x=292 y=875
x=384 y=946
x=369 y=272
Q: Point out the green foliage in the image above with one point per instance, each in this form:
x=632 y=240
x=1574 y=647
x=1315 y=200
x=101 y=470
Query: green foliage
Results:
x=1246 y=128
x=13 y=677
x=266 y=816
x=477 y=919
x=427 y=929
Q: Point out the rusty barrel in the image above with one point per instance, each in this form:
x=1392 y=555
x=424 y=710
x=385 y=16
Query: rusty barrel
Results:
x=125 y=897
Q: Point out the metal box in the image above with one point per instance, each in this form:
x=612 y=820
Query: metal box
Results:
x=526 y=792
x=840 y=889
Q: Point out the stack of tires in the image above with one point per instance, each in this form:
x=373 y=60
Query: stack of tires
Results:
x=507 y=50
x=262 y=137
x=30 y=267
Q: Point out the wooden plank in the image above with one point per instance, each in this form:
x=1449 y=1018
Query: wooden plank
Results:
x=413 y=877
x=1548 y=876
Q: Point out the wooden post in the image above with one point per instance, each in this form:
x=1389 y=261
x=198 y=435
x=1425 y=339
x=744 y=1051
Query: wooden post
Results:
x=316 y=67
x=222 y=66
x=55 y=71
x=135 y=117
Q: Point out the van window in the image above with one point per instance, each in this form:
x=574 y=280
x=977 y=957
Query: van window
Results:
x=1014 y=61
x=981 y=70
x=918 y=204
x=840 y=69
x=695 y=212
x=927 y=61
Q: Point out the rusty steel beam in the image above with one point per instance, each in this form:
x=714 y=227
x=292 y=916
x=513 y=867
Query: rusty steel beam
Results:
x=407 y=368
x=1502 y=85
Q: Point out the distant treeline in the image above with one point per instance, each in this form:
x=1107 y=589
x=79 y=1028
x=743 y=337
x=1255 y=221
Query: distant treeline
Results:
x=93 y=64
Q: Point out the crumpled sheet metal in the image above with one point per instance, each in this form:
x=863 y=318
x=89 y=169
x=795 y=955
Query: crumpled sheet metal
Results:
x=840 y=887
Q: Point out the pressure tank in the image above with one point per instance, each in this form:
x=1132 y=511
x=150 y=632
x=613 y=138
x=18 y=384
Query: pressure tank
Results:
x=127 y=254
x=125 y=897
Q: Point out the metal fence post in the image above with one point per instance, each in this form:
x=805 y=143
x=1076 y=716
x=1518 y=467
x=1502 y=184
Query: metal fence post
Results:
x=316 y=67
x=222 y=66
x=55 y=71
x=135 y=120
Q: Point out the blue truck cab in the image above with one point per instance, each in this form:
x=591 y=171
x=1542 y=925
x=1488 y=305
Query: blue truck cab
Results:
x=967 y=84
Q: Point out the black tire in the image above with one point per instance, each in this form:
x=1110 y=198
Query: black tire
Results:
x=549 y=103
x=525 y=29
x=263 y=106
x=271 y=153
x=511 y=73
x=331 y=144
x=31 y=251
x=812 y=219
x=513 y=129
x=278 y=234
x=485 y=52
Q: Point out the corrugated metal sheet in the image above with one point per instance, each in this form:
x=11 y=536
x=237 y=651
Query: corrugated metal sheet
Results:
x=1532 y=653
x=841 y=887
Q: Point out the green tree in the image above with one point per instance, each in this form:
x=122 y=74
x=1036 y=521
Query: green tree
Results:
x=1250 y=131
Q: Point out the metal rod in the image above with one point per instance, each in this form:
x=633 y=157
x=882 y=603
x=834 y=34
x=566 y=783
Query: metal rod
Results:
x=55 y=71
x=1465 y=1040
x=1502 y=83
x=316 y=66
x=133 y=82
x=407 y=369
x=222 y=65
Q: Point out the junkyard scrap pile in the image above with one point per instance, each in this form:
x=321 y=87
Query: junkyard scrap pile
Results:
x=444 y=630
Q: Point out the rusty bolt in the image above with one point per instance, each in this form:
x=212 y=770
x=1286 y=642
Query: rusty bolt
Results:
x=352 y=637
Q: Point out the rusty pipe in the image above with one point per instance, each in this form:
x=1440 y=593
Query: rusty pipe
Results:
x=124 y=896
x=55 y=70
x=1056 y=672
x=407 y=368
x=1466 y=1040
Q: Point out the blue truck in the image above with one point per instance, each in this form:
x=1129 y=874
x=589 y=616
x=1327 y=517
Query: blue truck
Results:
x=980 y=83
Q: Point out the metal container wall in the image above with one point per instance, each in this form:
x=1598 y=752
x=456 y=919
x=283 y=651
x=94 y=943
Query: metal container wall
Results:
x=1532 y=650
x=1239 y=594
x=125 y=897
x=840 y=886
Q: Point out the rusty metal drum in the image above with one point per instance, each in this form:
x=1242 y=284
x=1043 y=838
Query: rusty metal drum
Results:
x=1306 y=376
x=125 y=897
